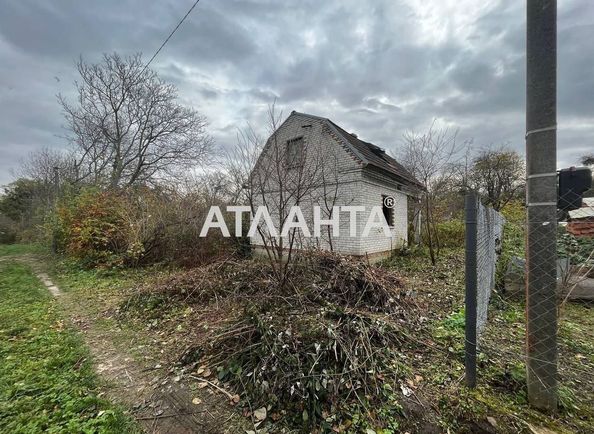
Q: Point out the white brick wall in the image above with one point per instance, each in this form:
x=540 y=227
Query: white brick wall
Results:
x=356 y=187
x=371 y=195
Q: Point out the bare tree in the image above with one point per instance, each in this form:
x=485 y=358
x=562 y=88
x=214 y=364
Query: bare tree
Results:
x=329 y=191
x=587 y=160
x=240 y=161
x=428 y=156
x=127 y=127
x=498 y=174
x=280 y=174
x=50 y=167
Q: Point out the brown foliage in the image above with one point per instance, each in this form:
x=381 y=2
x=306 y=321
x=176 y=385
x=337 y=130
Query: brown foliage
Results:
x=318 y=277
x=321 y=343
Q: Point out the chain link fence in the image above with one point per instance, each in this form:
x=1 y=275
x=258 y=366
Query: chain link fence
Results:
x=484 y=235
x=524 y=316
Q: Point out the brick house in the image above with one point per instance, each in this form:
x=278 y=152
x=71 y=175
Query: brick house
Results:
x=353 y=173
x=581 y=221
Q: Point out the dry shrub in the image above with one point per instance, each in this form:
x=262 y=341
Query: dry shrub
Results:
x=90 y=227
x=323 y=347
x=136 y=226
x=163 y=225
x=310 y=363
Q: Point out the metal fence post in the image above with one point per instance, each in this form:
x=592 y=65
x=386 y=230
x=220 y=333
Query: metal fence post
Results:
x=470 y=211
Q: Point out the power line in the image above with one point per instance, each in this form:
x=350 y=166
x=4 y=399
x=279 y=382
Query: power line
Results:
x=170 y=35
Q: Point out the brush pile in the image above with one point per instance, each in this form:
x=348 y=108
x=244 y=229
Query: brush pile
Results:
x=215 y=281
x=316 y=351
x=318 y=278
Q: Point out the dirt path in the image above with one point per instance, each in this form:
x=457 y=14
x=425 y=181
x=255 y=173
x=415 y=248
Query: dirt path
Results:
x=161 y=400
x=37 y=266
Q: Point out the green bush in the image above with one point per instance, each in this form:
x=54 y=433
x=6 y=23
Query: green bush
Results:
x=8 y=233
x=451 y=234
x=580 y=250
x=513 y=242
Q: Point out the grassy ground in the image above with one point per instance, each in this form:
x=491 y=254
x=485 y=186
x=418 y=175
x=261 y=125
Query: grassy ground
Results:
x=97 y=294
x=501 y=392
x=436 y=399
x=137 y=357
x=47 y=383
x=20 y=249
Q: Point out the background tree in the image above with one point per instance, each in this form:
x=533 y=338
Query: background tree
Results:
x=127 y=127
x=48 y=166
x=431 y=157
x=22 y=207
x=499 y=175
x=587 y=160
x=17 y=201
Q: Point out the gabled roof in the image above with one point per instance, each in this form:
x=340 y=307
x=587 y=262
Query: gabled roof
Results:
x=369 y=154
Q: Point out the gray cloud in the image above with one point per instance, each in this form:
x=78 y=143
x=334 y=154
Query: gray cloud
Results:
x=377 y=68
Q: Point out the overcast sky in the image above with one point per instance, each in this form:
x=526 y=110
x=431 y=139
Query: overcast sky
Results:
x=376 y=68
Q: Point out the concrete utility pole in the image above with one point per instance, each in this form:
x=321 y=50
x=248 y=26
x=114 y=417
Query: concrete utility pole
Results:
x=541 y=202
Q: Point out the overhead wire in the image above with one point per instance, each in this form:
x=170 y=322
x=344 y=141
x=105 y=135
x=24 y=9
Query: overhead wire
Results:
x=170 y=35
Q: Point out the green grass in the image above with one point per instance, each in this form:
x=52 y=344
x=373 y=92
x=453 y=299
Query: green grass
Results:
x=20 y=249
x=501 y=391
x=47 y=383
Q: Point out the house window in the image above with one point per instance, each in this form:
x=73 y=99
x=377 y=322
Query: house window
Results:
x=388 y=209
x=294 y=152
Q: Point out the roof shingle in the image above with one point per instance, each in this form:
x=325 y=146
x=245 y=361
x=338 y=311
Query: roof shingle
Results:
x=371 y=154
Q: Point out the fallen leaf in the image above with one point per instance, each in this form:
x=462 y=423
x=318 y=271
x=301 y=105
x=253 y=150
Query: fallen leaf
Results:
x=405 y=390
x=196 y=401
x=260 y=414
x=492 y=421
x=202 y=385
x=540 y=430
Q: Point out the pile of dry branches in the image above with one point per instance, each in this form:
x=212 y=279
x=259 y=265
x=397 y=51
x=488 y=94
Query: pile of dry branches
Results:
x=348 y=282
x=319 y=278
x=315 y=347
x=213 y=281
